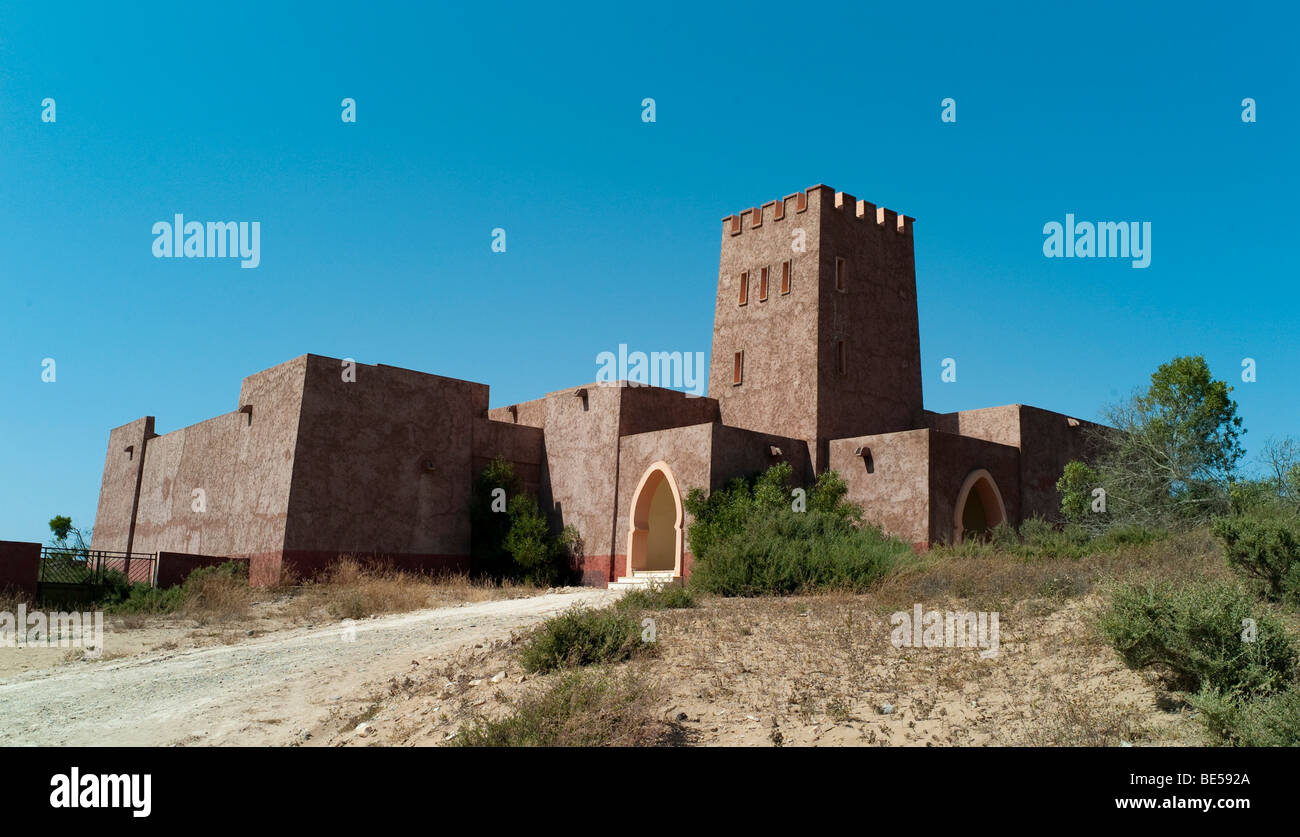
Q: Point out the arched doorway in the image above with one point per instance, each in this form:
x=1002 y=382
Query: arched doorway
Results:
x=655 y=530
x=979 y=507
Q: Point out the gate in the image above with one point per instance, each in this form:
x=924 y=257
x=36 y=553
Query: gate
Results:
x=84 y=574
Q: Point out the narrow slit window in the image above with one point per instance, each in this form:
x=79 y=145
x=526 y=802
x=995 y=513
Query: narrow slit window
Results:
x=744 y=288
x=841 y=358
x=738 y=368
x=785 y=276
x=840 y=270
x=762 y=285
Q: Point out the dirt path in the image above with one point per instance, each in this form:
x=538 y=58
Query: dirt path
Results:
x=267 y=690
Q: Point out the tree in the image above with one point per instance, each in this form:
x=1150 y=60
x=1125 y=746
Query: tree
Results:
x=510 y=535
x=489 y=519
x=1174 y=458
x=1077 y=484
x=61 y=526
x=1281 y=460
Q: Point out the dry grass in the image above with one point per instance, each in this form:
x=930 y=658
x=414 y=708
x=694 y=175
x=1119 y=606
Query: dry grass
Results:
x=583 y=708
x=821 y=669
x=217 y=598
x=351 y=590
x=1074 y=721
x=10 y=599
x=996 y=580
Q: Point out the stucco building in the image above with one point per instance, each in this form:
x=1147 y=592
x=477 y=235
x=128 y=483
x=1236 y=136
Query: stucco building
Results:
x=816 y=361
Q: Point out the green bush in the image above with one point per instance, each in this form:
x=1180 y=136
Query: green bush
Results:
x=785 y=552
x=723 y=514
x=489 y=526
x=1272 y=721
x=1196 y=634
x=142 y=597
x=516 y=541
x=657 y=597
x=1265 y=551
x=1129 y=535
x=539 y=557
x=1077 y=482
x=1037 y=538
x=117 y=588
x=581 y=636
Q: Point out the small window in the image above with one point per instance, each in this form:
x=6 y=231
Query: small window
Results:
x=785 y=276
x=744 y=288
x=841 y=358
x=738 y=368
x=762 y=285
x=840 y=270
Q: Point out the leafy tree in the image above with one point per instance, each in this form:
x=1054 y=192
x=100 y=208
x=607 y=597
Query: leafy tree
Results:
x=1281 y=463
x=536 y=553
x=1076 y=485
x=489 y=518
x=1174 y=457
x=66 y=536
x=510 y=536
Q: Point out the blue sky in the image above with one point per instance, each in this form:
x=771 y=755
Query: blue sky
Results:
x=375 y=236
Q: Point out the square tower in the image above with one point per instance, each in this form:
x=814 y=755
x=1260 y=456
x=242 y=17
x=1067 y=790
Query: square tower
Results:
x=815 y=332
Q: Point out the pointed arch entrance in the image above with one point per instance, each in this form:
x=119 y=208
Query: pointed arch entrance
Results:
x=655 y=524
x=979 y=506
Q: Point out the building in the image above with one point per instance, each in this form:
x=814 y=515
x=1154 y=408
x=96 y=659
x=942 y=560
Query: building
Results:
x=816 y=361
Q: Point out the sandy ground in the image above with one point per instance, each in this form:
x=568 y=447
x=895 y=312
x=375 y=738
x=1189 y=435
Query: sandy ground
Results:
x=797 y=671
x=821 y=671
x=282 y=687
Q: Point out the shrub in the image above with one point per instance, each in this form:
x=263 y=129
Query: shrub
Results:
x=1037 y=538
x=1196 y=635
x=489 y=523
x=1272 y=721
x=514 y=540
x=219 y=591
x=1076 y=485
x=144 y=598
x=787 y=552
x=581 y=709
x=1266 y=551
x=539 y=557
x=1133 y=534
x=581 y=636
x=117 y=589
x=724 y=513
x=657 y=597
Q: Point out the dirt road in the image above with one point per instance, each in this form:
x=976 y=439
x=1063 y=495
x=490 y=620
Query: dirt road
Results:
x=263 y=691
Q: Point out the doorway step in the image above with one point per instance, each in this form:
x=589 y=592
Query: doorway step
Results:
x=641 y=579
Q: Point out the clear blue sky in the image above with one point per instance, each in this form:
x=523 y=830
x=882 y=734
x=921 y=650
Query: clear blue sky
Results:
x=375 y=236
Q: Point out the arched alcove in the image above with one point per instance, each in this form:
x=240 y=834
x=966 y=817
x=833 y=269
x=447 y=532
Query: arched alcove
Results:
x=979 y=507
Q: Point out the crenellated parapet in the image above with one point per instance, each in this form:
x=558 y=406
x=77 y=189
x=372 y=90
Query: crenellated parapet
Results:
x=778 y=210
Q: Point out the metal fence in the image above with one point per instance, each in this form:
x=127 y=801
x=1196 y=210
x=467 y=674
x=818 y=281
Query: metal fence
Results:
x=96 y=567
